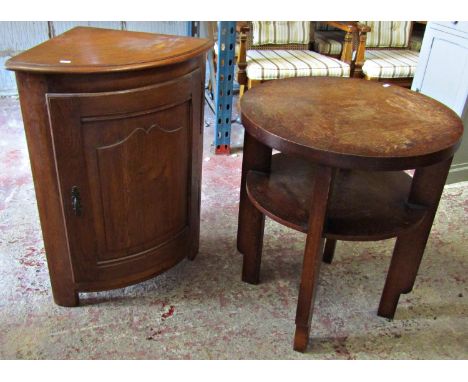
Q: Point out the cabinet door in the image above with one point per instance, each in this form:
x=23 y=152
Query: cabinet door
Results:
x=442 y=71
x=442 y=74
x=127 y=166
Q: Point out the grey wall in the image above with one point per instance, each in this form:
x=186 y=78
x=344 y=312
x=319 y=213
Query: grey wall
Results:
x=16 y=36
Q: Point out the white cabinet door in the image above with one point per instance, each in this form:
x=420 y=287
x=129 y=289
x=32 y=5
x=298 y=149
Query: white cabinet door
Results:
x=442 y=74
x=442 y=71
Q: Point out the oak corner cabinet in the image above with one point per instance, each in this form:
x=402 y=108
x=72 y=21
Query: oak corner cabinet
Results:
x=114 y=124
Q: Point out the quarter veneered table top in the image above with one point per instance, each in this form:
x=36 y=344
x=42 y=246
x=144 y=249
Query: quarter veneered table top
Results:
x=95 y=50
x=351 y=123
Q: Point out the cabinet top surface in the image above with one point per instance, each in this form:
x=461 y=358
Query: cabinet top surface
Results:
x=95 y=50
x=351 y=122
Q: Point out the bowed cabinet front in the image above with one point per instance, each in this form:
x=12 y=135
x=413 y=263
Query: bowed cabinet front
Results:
x=125 y=177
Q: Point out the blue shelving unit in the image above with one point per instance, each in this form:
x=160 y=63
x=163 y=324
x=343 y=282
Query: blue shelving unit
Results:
x=224 y=89
x=193 y=28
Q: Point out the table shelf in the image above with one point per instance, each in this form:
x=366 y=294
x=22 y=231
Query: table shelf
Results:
x=364 y=205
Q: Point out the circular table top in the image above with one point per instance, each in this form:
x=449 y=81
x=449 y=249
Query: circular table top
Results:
x=351 y=123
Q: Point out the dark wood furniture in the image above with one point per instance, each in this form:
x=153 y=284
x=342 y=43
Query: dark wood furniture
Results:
x=114 y=124
x=344 y=144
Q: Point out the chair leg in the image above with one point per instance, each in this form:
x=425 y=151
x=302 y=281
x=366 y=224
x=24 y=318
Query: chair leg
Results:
x=426 y=190
x=242 y=89
x=329 y=251
x=257 y=157
x=312 y=257
x=252 y=83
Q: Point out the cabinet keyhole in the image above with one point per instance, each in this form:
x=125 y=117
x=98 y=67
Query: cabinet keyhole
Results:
x=76 y=200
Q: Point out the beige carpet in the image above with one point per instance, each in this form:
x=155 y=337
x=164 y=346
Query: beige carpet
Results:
x=201 y=309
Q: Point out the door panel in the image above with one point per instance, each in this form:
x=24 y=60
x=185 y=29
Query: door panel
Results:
x=129 y=154
x=445 y=79
x=442 y=74
x=143 y=201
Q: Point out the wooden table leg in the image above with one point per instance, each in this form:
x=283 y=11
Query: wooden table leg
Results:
x=312 y=256
x=426 y=189
x=329 y=251
x=251 y=223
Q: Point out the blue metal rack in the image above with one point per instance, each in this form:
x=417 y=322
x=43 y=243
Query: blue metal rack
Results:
x=224 y=89
x=193 y=28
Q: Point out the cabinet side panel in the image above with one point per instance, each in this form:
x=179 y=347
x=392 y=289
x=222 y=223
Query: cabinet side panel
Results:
x=32 y=89
x=197 y=121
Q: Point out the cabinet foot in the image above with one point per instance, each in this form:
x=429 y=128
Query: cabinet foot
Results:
x=70 y=299
x=193 y=253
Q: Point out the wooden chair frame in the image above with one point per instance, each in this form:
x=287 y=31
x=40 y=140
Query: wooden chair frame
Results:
x=361 y=58
x=351 y=28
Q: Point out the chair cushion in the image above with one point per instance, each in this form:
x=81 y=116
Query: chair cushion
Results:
x=280 y=32
x=329 y=42
x=391 y=63
x=274 y=64
x=388 y=34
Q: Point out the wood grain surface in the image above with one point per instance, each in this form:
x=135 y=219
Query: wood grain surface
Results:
x=95 y=50
x=364 y=205
x=351 y=123
x=127 y=142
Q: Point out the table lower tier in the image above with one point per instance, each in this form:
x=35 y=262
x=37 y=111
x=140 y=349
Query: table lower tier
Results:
x=363 y=205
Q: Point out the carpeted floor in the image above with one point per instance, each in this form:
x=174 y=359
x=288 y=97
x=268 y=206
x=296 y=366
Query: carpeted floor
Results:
x=202 y=310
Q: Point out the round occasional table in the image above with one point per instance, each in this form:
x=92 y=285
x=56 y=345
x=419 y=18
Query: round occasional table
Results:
x=344 y=144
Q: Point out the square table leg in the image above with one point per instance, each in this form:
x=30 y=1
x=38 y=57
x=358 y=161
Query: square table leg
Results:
x=251 y=223
x=312 y=256
x=426 y=189
x=329 y=251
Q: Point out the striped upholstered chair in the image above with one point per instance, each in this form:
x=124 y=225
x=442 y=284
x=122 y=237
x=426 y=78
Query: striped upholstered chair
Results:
x=384 y=52
x=280 y=49
x=328 y=40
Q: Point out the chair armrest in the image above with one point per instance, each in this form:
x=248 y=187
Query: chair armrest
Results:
x=363 y=28
x=352 y=34
x=347 y=26
x=361 y=48
x=243 y=28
